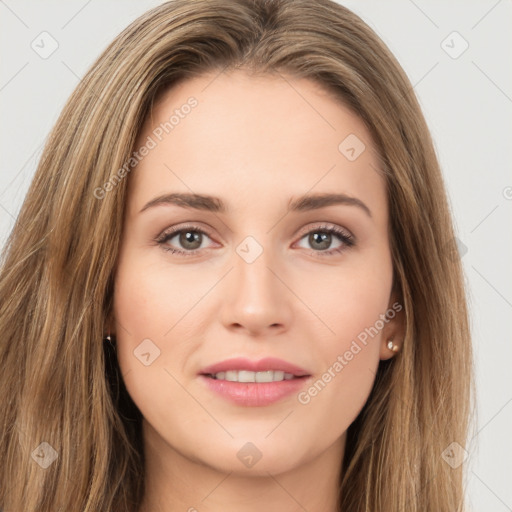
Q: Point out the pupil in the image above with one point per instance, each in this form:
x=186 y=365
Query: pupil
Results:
x=190 y=238
x=322 y=238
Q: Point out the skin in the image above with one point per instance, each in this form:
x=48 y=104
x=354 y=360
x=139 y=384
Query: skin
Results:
x=254 y=142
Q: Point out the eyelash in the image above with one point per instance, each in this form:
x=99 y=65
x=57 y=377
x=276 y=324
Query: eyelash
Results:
x=344 y=236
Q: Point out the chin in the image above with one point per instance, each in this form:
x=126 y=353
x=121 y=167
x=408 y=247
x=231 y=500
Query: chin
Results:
x=255 y=456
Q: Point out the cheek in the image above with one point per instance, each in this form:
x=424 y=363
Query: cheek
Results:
x=351 y=310
x=151 y=298
x=350 y=301
x=153 y=343
x=350 y=355
x=150 y=309
x=137 y=303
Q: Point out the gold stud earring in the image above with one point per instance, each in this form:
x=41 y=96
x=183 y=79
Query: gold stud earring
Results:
x=392 y=346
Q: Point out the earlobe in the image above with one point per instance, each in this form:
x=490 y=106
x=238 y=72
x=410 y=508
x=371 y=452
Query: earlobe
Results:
x=389 y=348
x=393 y=334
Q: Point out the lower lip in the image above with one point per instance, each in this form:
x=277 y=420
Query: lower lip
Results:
x=254 y=394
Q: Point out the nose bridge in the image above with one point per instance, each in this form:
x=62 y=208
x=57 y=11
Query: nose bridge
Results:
x=256 y=299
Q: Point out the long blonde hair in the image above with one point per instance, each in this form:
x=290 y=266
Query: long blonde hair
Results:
x=61 y=392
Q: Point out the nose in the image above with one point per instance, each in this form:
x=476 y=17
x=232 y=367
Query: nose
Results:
x=257 y=298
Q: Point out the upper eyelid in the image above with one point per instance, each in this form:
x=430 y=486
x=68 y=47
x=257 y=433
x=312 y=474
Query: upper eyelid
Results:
x=171 y=232
x=325 y=225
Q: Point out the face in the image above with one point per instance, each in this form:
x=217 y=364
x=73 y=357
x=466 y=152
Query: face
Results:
x=259 y=271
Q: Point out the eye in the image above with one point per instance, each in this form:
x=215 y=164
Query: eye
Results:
x=321 y=238
x=190 y=238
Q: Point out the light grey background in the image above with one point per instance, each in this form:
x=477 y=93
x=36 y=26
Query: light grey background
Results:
x=467 y=101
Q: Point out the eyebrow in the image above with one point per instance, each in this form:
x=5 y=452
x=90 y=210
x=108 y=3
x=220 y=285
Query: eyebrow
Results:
x=193 y=201
x=315 y=201
x=303 y=203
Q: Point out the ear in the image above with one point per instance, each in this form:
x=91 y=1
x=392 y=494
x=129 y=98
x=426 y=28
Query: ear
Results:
x=394 y=328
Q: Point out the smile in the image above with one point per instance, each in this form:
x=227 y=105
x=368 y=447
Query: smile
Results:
x=248 y=376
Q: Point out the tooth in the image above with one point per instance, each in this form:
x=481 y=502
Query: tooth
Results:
x=265 y=376
x=249 y=376
x=246 y=376
x=278 y=375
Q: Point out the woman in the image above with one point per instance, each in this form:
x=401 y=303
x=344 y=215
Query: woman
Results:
x=252 y=369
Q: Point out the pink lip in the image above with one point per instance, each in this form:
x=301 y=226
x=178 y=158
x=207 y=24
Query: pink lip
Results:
x=241 y=363
x=254 y=394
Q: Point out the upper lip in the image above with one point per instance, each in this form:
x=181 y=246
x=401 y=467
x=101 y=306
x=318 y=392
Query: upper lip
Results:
x=241 y=363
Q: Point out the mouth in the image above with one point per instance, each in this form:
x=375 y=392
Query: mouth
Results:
x=254 y=383
x=247 y=376
x=240 y=369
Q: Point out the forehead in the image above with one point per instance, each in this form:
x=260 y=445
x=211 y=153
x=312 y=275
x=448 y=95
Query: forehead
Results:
x=250 y=138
